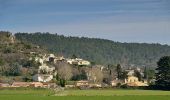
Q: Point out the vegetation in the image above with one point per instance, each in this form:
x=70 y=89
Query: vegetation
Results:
x=96 y=75
x=85 y=95
x=26 y=91
x=14 y=58
x=15 y=55
x=112 y=92
x=64 y=73
x=16 y=66
x=119 y=71
x=99 y=51
x=7 y=97
x=163 y=72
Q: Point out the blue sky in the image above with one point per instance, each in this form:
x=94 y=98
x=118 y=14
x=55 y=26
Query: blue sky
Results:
x=117 y=20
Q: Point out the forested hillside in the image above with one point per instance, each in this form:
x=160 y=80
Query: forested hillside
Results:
x=99 y=51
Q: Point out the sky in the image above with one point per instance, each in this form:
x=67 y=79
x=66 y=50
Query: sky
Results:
x=141 y=21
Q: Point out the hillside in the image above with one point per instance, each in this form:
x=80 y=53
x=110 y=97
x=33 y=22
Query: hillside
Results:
x=99 y=51
x=14 y=56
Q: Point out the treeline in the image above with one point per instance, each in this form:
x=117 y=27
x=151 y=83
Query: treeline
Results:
x=99 y=51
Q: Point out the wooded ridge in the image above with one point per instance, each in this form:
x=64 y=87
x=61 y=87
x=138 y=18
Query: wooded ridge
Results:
x=99 y=51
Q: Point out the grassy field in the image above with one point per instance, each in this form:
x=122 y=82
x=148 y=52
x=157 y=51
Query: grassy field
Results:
x=26 y=91
x=84 y=98
x=112 y=92
x=84 y=95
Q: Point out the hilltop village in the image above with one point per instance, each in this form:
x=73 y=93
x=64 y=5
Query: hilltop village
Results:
x=28 y=65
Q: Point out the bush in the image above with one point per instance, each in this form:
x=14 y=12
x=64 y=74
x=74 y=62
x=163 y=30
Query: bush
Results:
x=124 y=86
x=7 y=50
x=2 y=62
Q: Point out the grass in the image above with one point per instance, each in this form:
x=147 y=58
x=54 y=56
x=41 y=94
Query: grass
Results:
x=43 y=94
x=112 y=92
x=21 y=97
x=26 y=91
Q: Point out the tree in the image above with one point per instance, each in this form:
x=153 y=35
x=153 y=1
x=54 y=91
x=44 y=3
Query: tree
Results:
x=110 y=67
x=79 y=74
x=124 y=75
x=15 y=69
x=145 y=73
x=163 y=72
x=74 y=56
x=7 y=50
x=138 y=75
x=2 y=62
x=64 y=73
x=96 y=75
x=4 y=70
x=119 y=71
x=151 y=74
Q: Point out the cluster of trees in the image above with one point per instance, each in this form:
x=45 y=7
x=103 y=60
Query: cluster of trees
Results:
x=67 y=72
x=95 y=74
x=142 y=74
x=99 y=51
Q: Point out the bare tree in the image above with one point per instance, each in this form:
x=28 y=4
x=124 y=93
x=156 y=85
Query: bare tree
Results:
x=64 y=72
x=95 y=74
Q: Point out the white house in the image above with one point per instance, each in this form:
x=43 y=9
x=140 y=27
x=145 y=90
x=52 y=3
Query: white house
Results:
x=46 y=68
x=42 y=78
x=78 y=61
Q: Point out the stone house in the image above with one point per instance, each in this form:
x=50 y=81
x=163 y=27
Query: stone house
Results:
x=133 y=81
x=82 y=83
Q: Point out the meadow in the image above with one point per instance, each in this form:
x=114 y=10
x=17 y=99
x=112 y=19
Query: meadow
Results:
x=43 y=94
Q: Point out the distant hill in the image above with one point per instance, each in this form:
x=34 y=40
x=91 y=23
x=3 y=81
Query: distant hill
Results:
x=99 y=51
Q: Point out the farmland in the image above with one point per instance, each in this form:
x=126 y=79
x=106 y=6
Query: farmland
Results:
x=41 y=94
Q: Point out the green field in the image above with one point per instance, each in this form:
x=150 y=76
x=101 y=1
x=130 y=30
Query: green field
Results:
x=112 y=92
x=42 y=94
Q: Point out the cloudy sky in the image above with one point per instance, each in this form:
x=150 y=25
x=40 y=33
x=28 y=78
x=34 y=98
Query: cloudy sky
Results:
x=117 y=20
